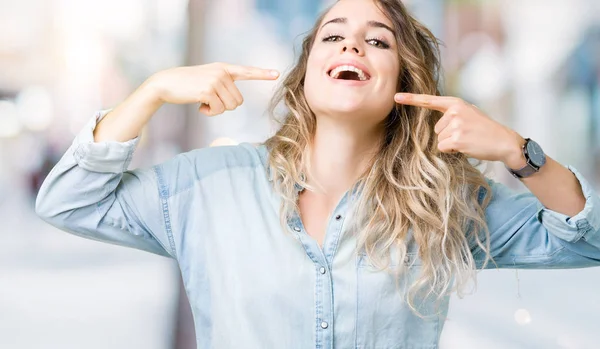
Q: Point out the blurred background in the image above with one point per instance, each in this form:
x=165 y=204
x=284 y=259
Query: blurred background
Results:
x=534 y=65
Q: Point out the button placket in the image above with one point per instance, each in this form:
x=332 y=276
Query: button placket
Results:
x=323 y=287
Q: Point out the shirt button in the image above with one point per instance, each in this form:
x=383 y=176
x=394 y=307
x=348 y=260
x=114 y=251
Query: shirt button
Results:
x=324 y=325
x=297 y=229
x=338 y=217
x=322 y=270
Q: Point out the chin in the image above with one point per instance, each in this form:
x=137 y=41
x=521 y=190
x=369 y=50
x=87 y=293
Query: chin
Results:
x=336 y=103
x=345 y=107
x=339 y=108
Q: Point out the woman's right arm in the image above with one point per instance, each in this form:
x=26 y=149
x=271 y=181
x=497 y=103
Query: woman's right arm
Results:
x=90 y=193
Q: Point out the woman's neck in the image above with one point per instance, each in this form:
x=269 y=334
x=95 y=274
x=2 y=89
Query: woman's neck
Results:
x=340 y=154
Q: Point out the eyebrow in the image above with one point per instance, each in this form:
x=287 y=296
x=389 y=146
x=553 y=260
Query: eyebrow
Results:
x=373 y=24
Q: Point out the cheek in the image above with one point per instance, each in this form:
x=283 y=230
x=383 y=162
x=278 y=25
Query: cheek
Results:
x=314 y=65
x=312 y=85
x=389 y=85
x=392 y=70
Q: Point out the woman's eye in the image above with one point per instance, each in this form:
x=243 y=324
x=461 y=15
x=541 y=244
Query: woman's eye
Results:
x=332 y=38
x=378 y=43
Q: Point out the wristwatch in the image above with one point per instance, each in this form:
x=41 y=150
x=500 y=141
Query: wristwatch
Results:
x=535 y=157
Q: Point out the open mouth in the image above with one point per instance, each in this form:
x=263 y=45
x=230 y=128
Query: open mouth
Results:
x=348 y=72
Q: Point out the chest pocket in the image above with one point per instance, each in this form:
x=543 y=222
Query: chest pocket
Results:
x=384 y=319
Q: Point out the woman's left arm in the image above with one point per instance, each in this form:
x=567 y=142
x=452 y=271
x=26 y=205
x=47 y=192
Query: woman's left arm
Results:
x=557 y=188
x=560 y=222
x=466 y=129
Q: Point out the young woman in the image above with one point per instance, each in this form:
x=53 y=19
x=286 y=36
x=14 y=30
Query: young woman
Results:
x=351 y=226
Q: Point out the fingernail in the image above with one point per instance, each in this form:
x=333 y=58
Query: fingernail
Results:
x=274 y=73
x=400 y=98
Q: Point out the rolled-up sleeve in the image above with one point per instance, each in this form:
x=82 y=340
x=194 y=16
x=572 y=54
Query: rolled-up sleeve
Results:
x=90 y=193
x=525 y=234
x=109 y=157
x=584 y=225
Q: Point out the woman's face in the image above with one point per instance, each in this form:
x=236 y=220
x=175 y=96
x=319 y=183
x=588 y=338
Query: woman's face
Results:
x=353 y=66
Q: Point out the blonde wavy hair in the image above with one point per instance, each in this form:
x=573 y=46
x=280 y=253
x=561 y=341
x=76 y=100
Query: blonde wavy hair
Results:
x=410 y=184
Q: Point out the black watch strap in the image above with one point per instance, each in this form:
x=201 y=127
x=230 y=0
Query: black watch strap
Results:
x=526 y=171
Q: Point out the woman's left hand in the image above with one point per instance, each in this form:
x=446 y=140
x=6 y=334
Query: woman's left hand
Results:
x=466 y=129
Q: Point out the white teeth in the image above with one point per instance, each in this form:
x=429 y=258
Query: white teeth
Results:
x=335 y=73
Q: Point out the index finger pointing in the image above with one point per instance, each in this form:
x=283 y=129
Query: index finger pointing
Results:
x=240 y=72
x=439 y=103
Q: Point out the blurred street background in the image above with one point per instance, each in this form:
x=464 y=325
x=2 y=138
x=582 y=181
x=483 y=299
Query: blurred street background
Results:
x=532 y=64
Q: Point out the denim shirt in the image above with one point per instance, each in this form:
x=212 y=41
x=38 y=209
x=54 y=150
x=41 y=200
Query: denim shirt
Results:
x=253 y=284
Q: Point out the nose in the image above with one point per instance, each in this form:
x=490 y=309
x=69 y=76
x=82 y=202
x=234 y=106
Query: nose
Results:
x=351 y=46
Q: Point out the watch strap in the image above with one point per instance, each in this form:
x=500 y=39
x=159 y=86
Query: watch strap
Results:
x=526 y=171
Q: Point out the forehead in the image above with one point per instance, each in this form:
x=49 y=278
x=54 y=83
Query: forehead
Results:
x=357 y=11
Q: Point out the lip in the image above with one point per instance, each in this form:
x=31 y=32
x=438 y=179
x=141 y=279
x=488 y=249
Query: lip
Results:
x=351 y=62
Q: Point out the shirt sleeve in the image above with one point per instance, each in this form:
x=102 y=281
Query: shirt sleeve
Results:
x=90 y=193
x=525 y=234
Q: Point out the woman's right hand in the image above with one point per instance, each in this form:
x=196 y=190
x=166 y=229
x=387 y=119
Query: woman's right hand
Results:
x=212 y=85
x=209 y=84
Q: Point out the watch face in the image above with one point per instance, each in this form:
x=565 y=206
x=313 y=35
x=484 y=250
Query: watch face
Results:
x=536 y=154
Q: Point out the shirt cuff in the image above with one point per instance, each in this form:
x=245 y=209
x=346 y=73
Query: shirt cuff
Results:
x=585 y=224
x=108 y=156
